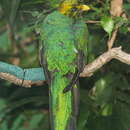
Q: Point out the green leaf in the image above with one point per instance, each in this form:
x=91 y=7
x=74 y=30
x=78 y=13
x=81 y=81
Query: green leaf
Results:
x=106 y=110
x=2 y=104
x=17 y=122
x=123 y=30
x=126 y=6
x=35 y=121
x=102 y=90
x=4 y=125
x=108 y=24
x=4 y=42
x=83 y=116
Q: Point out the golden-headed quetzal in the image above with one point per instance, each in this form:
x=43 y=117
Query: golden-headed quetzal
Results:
x=64 y=38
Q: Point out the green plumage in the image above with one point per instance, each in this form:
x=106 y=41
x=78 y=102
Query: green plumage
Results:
x=62 y=39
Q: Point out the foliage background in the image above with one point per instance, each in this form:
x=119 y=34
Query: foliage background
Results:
x=104 y=97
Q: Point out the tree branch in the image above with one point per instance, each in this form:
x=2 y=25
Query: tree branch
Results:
x=21 y=77
x=35 y=76
x=115 y=11
x=100 y=61
x=114 y=53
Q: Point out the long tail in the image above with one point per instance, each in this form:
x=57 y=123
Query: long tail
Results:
x=60 y=103
x=75 y=98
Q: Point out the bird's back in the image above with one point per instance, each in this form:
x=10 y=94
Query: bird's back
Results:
x=59 y=43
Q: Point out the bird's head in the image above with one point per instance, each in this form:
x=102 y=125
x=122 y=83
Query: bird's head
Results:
x=72 y=7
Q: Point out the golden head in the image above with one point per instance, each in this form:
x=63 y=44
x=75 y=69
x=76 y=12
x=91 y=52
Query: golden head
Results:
x=72 y=7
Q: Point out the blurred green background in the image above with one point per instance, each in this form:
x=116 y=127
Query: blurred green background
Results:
x=104 y=97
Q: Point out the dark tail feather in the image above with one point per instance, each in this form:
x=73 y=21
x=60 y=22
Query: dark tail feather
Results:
x=51 y=120
x=72 y=124
x=48 y=79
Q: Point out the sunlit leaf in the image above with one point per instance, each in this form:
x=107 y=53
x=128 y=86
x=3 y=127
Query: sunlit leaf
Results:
x=108 y=24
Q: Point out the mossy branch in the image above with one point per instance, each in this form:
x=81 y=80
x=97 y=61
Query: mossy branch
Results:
x=35 y=76
x=21 y=77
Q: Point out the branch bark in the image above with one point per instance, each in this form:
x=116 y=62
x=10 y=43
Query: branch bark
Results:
x=115 y=11
x=35 y=76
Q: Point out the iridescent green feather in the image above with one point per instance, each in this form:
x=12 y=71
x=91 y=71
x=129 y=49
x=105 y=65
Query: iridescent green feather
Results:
x=61 y=40
x=81 y=36
x=61 y=103
x=59 y=43
x=59 y=46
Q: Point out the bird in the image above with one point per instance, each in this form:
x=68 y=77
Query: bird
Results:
x=64 y=37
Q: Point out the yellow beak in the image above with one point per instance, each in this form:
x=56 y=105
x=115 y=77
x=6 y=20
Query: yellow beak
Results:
x=83 y=7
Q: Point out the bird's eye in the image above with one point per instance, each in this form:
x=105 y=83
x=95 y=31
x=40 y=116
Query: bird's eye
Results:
x=74 y=9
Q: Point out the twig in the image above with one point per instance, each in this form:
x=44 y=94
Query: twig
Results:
x=114 y=53
x=110 y=42
x=92 y=21
x=115 y=11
